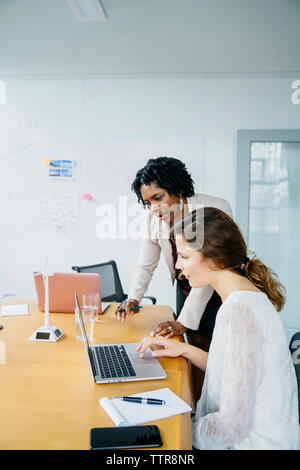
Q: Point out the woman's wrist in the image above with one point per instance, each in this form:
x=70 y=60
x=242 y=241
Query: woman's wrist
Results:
x=186 y=350
x=196 y=355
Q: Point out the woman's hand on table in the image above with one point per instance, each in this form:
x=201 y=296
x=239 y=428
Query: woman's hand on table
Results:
x=169 y=329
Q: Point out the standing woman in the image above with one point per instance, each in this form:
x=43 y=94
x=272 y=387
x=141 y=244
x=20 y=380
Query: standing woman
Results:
x=165 y=187
x=249 y=398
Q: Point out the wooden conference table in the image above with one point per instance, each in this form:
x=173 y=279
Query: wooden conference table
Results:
x=48 y=398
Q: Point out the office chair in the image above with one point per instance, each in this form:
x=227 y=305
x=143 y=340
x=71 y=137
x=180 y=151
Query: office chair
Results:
x=295 y=352
x=111 y=287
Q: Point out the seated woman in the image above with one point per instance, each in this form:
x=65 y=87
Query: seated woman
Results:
x=249 y=396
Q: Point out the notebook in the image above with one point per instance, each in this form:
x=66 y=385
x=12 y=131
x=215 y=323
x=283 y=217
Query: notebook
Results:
x=124 y=413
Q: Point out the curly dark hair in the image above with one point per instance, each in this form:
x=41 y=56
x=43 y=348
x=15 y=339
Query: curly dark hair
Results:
x=168 y=173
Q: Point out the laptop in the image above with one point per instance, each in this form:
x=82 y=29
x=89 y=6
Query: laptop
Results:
x=61 y=290
x=104 y=306
x=119 y=362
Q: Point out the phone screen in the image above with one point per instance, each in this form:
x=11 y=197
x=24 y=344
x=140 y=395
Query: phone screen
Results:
x=125 y=437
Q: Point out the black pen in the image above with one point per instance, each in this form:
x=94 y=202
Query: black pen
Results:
x=143 y=401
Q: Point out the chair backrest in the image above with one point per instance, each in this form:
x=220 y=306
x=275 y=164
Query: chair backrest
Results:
x=295 y=352
x=111 y=287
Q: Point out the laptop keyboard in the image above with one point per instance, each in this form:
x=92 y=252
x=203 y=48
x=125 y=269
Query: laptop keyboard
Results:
x=113 y=361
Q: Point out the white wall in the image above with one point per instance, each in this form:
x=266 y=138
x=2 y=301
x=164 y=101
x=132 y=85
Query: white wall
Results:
x=241 y=103
x=111 y=128
x=151 y=37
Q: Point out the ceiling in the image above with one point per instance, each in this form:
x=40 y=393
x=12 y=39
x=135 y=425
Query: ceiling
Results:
x=152 y=37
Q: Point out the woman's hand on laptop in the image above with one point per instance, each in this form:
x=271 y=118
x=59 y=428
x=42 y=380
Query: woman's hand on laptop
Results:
x=125 y=307
x=169 y=329
x=171 y=348
x=166 y=347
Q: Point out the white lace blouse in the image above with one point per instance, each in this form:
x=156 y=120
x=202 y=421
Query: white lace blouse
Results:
x=249 y=397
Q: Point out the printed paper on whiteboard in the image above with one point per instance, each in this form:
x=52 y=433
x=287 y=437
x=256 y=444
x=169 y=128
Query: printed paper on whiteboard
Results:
x=61 y=169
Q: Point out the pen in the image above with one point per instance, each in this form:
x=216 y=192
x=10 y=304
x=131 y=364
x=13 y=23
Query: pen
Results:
x=132 y=308
x=143 y=401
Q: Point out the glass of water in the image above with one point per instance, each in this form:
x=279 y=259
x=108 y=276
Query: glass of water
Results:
x=91 y=301
x=88 y=320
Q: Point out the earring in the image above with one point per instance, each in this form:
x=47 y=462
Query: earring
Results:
x=180 y=205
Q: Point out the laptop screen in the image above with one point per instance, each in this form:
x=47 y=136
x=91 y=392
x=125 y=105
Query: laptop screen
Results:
x=81 y=322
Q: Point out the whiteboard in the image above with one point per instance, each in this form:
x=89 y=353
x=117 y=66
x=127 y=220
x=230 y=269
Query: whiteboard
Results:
x=38 y=217
x=108 y=128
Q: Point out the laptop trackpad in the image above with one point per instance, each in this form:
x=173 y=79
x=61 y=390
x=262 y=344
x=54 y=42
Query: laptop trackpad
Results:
x=149 y=365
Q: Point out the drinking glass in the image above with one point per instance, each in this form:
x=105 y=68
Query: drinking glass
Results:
x=91 y=301
x=88 y=320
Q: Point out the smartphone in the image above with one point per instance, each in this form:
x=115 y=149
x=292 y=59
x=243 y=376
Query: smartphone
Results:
x=129 y=437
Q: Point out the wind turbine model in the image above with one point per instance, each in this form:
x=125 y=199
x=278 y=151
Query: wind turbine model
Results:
x=46 y=332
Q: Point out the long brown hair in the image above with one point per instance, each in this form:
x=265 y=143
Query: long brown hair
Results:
x=222 y=241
